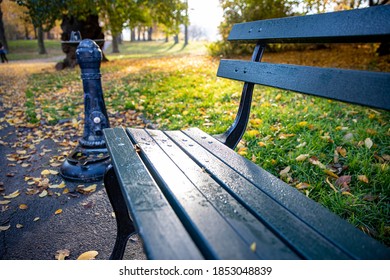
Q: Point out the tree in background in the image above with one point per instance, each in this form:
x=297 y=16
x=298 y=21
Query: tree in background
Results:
x=43 y=16
x=3 y=39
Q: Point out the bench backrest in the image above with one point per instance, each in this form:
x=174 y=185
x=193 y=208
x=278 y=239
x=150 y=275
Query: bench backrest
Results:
x=359 y=87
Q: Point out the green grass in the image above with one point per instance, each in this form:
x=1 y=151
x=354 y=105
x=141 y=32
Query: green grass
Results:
x=179 y=91
x=28 y=49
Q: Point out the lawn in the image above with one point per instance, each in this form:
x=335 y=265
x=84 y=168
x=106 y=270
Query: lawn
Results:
x=335 y=153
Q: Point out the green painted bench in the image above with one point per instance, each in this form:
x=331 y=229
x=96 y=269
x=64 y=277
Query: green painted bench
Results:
x=189 y=195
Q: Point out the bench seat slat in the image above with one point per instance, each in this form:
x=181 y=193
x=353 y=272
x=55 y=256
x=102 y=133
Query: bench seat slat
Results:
x=361 y=25
x=146 y=204
x=359 y=87
x=250 y=229
x=342 y=234
x=306 y=241
x=209 y=230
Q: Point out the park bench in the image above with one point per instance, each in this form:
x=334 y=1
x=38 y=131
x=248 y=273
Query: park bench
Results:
x=189 y=195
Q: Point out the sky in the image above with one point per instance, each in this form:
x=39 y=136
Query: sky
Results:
x=206 y=14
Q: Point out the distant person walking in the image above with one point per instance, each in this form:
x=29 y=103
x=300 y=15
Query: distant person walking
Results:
x=3 y=53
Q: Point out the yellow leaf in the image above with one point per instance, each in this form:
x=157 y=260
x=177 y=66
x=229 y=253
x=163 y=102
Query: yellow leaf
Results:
x=58 y=186
x=90 y=255
x=302 y=157
x=363 y=178
x=58 y=211
x=253 y=133
x=341 y=151
x=45 y=172
x=302 y=186
x=347 y=193
x=23 y=206
x=253 y=247
x=242 y=151
x=13 y=195
x=277 y=98
x=331 y=185
x=261 y=144
x=4 y=228
x=330 y=173
x=302 y=124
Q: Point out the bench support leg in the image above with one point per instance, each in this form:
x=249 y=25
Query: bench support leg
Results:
x=125 y=226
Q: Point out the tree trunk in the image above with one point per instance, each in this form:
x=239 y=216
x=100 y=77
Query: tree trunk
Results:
x=132 y=35
x=89 y=29
x=176 y=38
x=3 y=39
x=115 y=43
x=185 y=35
x=150 y=32
x=41 y=42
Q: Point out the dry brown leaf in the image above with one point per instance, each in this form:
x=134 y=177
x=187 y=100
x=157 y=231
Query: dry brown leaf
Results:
x=285 y=171
x=58 y=186
x=343 y=183
x=90 y=255
x=314 y=160
x=62 y=254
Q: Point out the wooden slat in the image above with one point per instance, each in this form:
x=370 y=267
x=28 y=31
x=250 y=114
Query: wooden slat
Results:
x=362 y=25
x=342 y=234
x=306 y=241
x=250 y=229
x=359 y=87
x=210 y=231
x=154 y=218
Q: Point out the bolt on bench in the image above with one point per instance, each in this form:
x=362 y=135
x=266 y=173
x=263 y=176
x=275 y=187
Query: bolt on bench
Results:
x=190 y=196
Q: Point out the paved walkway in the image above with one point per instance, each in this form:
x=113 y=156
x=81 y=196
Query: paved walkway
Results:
x=34 y=226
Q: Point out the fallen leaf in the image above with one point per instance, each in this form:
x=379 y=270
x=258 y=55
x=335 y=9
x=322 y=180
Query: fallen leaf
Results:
x=331 y=185
x=343 y=181
x=58 y=186
x=45 y=172
x=302 y=157
x=4 y=228
x=23 y=206
x=43 y=193
x=90 y=255
x=19 y=226
x=86 y=190
x=363 y=178
x=370 y=197
x=330 y=173
x=4 y=202
x=242 y=151
x=13 y=195
x=36 y=219
x=368 y=143
x=285 y=171
x=253 y=247
x=302 y=186
x=314 y=160
x=58 y=211
x=62 y=254
x=341 y=151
